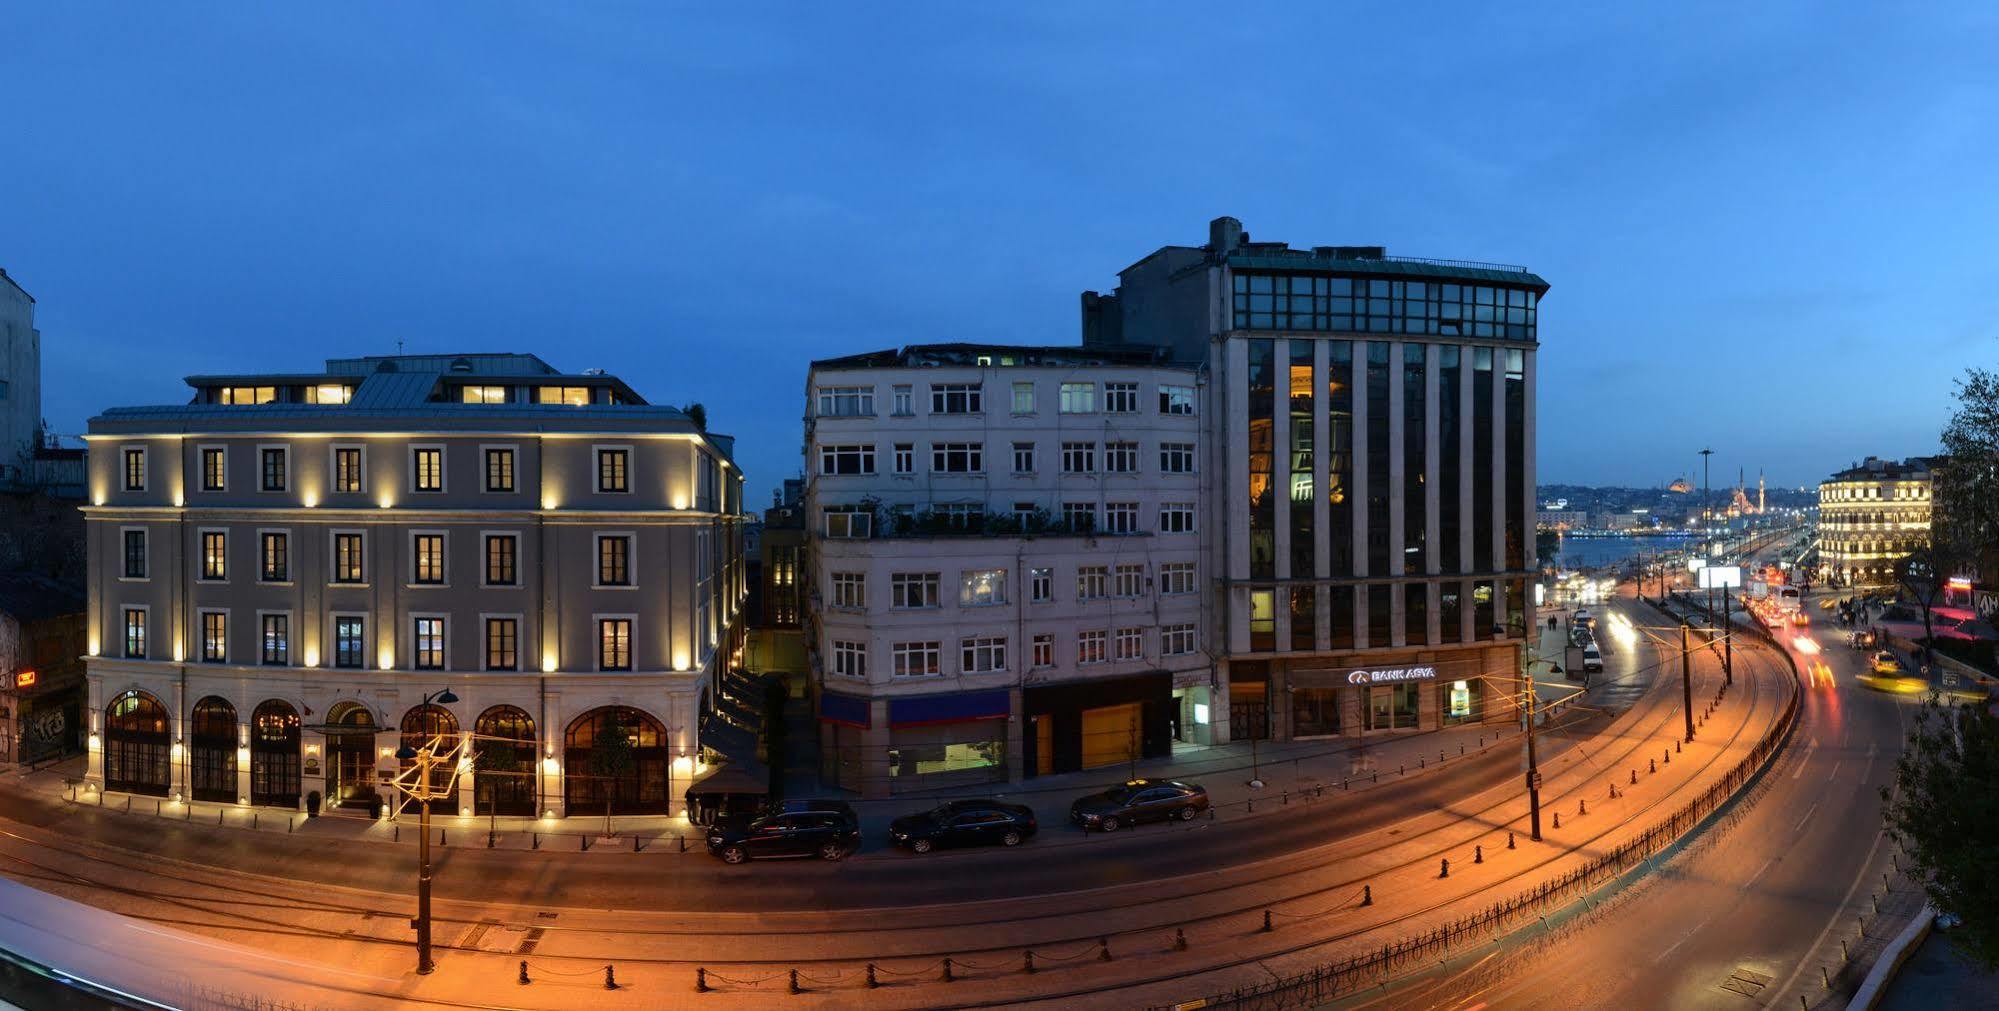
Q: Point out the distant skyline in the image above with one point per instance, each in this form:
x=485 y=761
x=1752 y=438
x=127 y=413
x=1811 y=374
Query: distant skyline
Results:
x=1754 y=243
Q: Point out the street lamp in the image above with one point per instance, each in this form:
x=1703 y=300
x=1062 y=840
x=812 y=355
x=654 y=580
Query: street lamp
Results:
x=1528 y=693
x=425 y=758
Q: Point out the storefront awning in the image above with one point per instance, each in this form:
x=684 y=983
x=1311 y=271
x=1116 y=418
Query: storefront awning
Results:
x=848 y=710
x=730 y=779
x=963 y=707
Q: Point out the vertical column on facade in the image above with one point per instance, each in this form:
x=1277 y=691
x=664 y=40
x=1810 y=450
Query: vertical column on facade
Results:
x=1467 y=517
x=1235 y=426
x=682 y=718
x=1322 y=610
x=1362 y=564
x=1280 y=484
x=178 y=752
x=93 y=722
x=1527 y=487
x=552 y=759
x=1432 y=490
x=243 y=757
x=1398 y=491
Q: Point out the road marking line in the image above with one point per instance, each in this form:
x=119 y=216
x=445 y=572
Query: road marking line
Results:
x=1835 y=769
x=1807 y=817
x=1684 y=938
x=1759 y=872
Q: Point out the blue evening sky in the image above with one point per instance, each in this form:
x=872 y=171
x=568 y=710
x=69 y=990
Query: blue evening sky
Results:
x=1769 y=227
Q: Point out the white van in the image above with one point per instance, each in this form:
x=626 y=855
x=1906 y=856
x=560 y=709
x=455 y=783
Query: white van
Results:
x=1592 y=659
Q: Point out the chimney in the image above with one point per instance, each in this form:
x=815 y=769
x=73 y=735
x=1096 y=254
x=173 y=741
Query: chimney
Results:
x=1224 y=234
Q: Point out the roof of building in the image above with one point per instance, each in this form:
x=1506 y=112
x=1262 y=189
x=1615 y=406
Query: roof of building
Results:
x=1020 y=354
x=29 y=597
x=16 y=284
x=1876 y=469
x=1229 y=243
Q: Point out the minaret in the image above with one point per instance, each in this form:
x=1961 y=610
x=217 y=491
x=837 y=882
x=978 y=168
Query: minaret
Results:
x=1759 y=489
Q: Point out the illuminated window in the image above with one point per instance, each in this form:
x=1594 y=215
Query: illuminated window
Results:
x=348 y=555
x=502 y=643
x=214 y=468
x=427 y=559
x=614 y=560
x=614 y=644
x=482 y=394
x=135 y=470
x=1090 y=646
x=214 y=554
x=329 y=393
x=982 y=587
x=214 y=636
x=427 y=468
x=1044 y=650
x=614 y=470
x=499 y=470
x=918 y=659
x=350 y=642
x=570 y=396
x=501 y=552
x=275 y=550
x=348 y=475
x=135 y=633
x=428 y=641
x=241 y=395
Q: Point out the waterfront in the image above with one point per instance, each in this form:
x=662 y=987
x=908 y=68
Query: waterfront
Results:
x=1598 y=551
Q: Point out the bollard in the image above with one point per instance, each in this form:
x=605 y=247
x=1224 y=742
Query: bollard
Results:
x=1444 y=868
x=1558 y=819
x=1825 y=978
x=255 y=820
x=610 y=979
x=1653 y=765
x=1103 y=949
x=1478 y=854
x=1266 y=921
x=489 y=838
x=1844 y=955
x=683 y=842
x=948 y=976
x=1582 y=807
x=796 y=990
x=635 y=844
x=1284 y=799
x=1377 y=777
x=1634 y=777
x=289 y=824
x=1249 y=806
x=1422 y=763
x=1440 y=756
x=218 y=817
x=399 y=833
x=1461 y=749
x=1400 y=770
x=1877 y=903
x=1367 y=895
x=701 y=979
x=872 y=981
x=1613 y=791
x=1676 y=747
x=583 y=844
x=1179 y=939
x=1027 y=963
x=537 y=840
x=1669 y=759
x=441 y=841
x=523 y=980
x=1509 y=840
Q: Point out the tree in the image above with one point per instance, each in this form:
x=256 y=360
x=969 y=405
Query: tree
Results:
x=1921 y=572
x=697 y=414
x=495 y=762
x=611 y=757
x=1964 y=518
x=1944 y=812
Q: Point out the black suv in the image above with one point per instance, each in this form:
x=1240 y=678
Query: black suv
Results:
x=1136 y=801
x=827 y=829
x=977 y=822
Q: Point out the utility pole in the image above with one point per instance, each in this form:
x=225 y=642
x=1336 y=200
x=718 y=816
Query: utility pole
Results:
x=1706 y=523
x=1727 y=641
x=1687 y=680
x=1533 y=769
x=423 y=963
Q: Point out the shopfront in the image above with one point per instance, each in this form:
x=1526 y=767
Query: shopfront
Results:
x=1095 y=724
x=1386 y=698
x=948 y=740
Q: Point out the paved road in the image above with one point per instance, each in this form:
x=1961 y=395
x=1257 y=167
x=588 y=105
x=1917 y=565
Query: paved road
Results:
x=1744 y=917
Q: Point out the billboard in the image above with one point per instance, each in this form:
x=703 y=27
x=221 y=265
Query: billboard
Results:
x=1714 y=577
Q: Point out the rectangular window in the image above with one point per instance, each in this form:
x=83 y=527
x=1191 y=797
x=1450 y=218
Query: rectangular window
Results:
x=1177 y=640
x=135 y=554
x=135 y=633
x=1090 y=647
x=850 y=659
x=501 y=551
x=427 y=559
x=1040 y=585
x=482 y=394
x=214 y=468
x=275 y=547
x=329 y=393
x=214 y=554
x=1300 y=458
x=1044 y=650
x=614 y=644
x=905 y=458
x=1176 y=578
x=348 y=552
x=1130 y=644
x=957 y=457
x=981 y=656
x=956 y=398
x=273 y=462
x=1129 y=580
x=1379 y=381
x=1079 y=398
x=1079 y=517
x=1079 y=458
x=503 y=636
x=854 y=521
x=907 y=590
x=918 y=659
x=1120 y=457
x=904 y=401
x=277 y=639
x=247 y=395
x=135 y=470
x=214 y=636
x=1416 y=614
x=1260 y=459
x=350 y=642
x=1023 y=458
x=1092 y=582
x=499 y=469
x=1392 y=707
x=850 y=589
x=348 y=476
x=1304 y=618
x=982 y=588
x=428 y=642
x=1176 y=458
x=614 y=556
x=1121 y=517
x=1176 y=518
x=853 y=459
x=1023 y=398
x=427 y=464
x=846 y=401
x=1262 y=620
x=614 y=470
x=1121 y=398
x=1176 y=400
x=567 y=396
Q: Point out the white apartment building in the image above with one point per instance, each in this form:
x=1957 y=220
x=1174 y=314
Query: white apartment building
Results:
x=1006 y=562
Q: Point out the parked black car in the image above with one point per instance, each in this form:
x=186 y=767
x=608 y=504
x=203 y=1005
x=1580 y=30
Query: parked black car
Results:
x=979 y=822
x=1136 y=801
x=827 y=829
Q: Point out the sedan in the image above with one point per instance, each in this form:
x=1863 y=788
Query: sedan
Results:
x=1136 y=801
x=964 y=823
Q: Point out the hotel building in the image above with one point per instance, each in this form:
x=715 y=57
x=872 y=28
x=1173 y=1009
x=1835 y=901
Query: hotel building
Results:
x=1871 y=515
x=285 y=568
x=1006 y=562
x=1369 y=429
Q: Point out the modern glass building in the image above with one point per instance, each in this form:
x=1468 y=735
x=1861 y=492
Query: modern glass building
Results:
x=1370 y=419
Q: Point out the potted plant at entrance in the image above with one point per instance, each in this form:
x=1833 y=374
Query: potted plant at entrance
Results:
x=312 y=804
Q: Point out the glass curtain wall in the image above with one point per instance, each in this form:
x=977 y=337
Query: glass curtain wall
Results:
x=1450 y=443
x=1516 y=459
x=1378 y=490
x=1482 y=520
x=1262 y=475
x=1415 y=469
x=1304 y=556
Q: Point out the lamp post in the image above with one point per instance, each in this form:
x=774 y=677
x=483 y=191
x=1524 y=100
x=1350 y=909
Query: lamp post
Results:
x=1528 y=693
x=425 y=758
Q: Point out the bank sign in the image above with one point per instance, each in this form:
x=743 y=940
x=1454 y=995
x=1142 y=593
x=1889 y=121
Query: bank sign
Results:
x=1391 y=675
